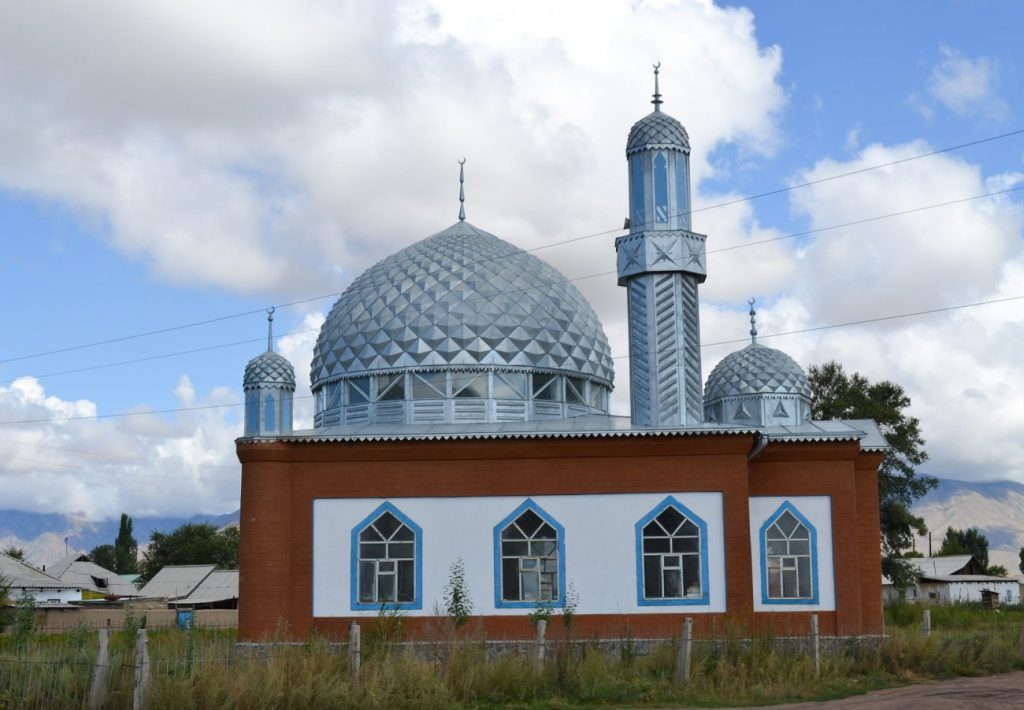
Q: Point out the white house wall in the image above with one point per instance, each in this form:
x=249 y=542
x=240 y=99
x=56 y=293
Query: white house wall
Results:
x=600 y=548
x=818 y=511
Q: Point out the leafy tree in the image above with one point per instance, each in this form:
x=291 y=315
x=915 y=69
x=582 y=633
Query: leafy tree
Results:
x=837 y=395
x=126 y=549
x=997 y=570
x=5 y=602
x=191 y=544
x=457 y=602
x=971 y=541
x=15 y=552
x=1021 y=560
x=104 y=556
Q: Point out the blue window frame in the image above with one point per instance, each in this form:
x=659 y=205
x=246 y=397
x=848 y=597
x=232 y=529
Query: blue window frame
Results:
x=671 y=556
x=789 y=558
x=387 y=561
x=529 y=559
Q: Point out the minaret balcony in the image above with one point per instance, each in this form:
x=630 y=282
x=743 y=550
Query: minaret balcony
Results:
x=659 y=251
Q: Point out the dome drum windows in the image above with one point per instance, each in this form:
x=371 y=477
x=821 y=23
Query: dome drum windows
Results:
x=789 y=560
x=529 y=559
x=387 y=561
x=672 y=556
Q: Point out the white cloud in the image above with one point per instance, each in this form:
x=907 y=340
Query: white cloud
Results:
x=966 y=86
x=143 y=465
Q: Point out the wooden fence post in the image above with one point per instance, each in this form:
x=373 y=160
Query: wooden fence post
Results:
x=354 y=652
x=926 y=623
x=816 y=645
x=1022 y=641
x=98 y=691
x=542 y=628
x=685 y=649
x=141 y=670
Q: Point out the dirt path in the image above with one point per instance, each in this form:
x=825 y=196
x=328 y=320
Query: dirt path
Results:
x=996 y=691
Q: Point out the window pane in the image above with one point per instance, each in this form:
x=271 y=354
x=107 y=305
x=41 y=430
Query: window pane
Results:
x=774 y=582
x=385 y=587
x=510 y=579
x=549 y=587
x=366 y=575
x=787 y=523
x=803 y=568
x=402 y=550
x=390 y=387
x=776 y=547
x=545 y=387
x=386 y=566
x=671 y=562
x=357 y=390
x=652 y=576
x=530 y=582
x=252 y=410
x=546 y=532
x=800 y=533
x=689 y=528
x=269 y=412
x=673 y=583
x=429 y=385
x=597 y=396
x=773 y=533
x=528 y=564
x=509 y=385
x=512 y=532
x=404 y=533
x=789 y=588
x=681 y=207
x=542 y=549
x=636 y=193
x=370 y=534
x=529 y=522
x=660 y=188
x=387 y=524
x=670 y=519
x=372 y=550
x=550 y=564
x=510 y=548
x=469 y=384
x=691 y=575
x=575 y=390
x=686 y=544
x=799 y=547
x=334 y=391
x=407 y=581
x=656 y=544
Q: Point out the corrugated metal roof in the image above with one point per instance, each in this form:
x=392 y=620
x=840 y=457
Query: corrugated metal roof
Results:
x=220 y=585
x=933 y=567
x=176 y=581
x=591 y=426
x=968 y=578
x=85 y=574
x=22 y=576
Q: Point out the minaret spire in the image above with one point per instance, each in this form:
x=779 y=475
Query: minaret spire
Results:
x=657 y=93
x=462 y=192
x=270 y=329
x=753 y=322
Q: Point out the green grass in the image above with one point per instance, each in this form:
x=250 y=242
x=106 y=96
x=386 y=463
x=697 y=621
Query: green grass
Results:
x=206 y=669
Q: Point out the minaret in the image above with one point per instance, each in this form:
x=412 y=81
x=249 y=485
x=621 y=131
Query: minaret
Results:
x=269 y=384
x=661 y=262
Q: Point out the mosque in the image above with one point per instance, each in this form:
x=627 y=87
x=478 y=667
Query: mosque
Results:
x=461 y=393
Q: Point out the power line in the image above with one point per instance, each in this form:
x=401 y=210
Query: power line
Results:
x=718 y=205
x=831 y=326
x=816 y=230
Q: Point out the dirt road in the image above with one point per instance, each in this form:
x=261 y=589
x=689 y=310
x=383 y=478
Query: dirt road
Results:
x=997 y=691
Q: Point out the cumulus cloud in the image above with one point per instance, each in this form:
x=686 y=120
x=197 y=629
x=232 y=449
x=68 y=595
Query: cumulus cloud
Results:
x=967 y=86
x=58 y=457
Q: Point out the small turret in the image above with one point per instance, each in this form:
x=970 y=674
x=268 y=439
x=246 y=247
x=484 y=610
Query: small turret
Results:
x=269 y=384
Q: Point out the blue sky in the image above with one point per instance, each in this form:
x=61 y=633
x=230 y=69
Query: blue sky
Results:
x=169 y=164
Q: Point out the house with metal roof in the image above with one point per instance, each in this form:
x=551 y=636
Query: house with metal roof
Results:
x=44 y=589
x=97 y=583
x=954 y=579
x=176 y=581
x=462 y=417
x=219 y=590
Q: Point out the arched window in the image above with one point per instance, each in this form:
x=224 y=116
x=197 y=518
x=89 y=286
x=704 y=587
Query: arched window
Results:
x=660 y=188
x=529 y=559
x=672 y=556
x=269 y=412
x=636 y=193
x=682 y=203
x=387 y=561
x=789 y=559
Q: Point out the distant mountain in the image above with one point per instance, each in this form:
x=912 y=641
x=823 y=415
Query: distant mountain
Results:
x=42 y=535
x=995 y=507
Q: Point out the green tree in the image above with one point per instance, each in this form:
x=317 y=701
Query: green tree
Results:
x=126 y=549
x=1021 y=553
x=837 y=395
x=104 y=556
x=191 y=544
x=15 y=552
x=6 y=613
x=997 y=570
x=971 y=541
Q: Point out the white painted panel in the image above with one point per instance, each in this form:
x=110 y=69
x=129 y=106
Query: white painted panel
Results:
x=818 y=511
x=600 y=548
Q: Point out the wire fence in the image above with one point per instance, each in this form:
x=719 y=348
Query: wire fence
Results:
x=135 y=668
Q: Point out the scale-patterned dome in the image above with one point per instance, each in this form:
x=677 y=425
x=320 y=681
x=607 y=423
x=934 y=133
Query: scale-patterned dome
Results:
x=269 y=370
x=756 y=369
x=657 y=130
x=457 y=300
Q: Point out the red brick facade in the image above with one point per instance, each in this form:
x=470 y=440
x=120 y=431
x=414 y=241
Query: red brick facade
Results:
x=280 y=481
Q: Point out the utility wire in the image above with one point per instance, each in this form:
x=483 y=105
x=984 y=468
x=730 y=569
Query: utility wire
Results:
x=747 y=198
x=816 y=230
x=813 y=329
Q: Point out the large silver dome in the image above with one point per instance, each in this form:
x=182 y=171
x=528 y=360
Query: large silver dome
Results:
x=459 y=301
x=757 y=385
x=657 y=130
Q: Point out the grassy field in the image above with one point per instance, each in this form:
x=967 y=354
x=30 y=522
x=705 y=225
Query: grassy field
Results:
x=205 y=669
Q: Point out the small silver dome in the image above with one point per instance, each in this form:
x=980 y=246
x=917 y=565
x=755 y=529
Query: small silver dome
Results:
x=269 y=370
x=757 y=385
x=657 y=130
